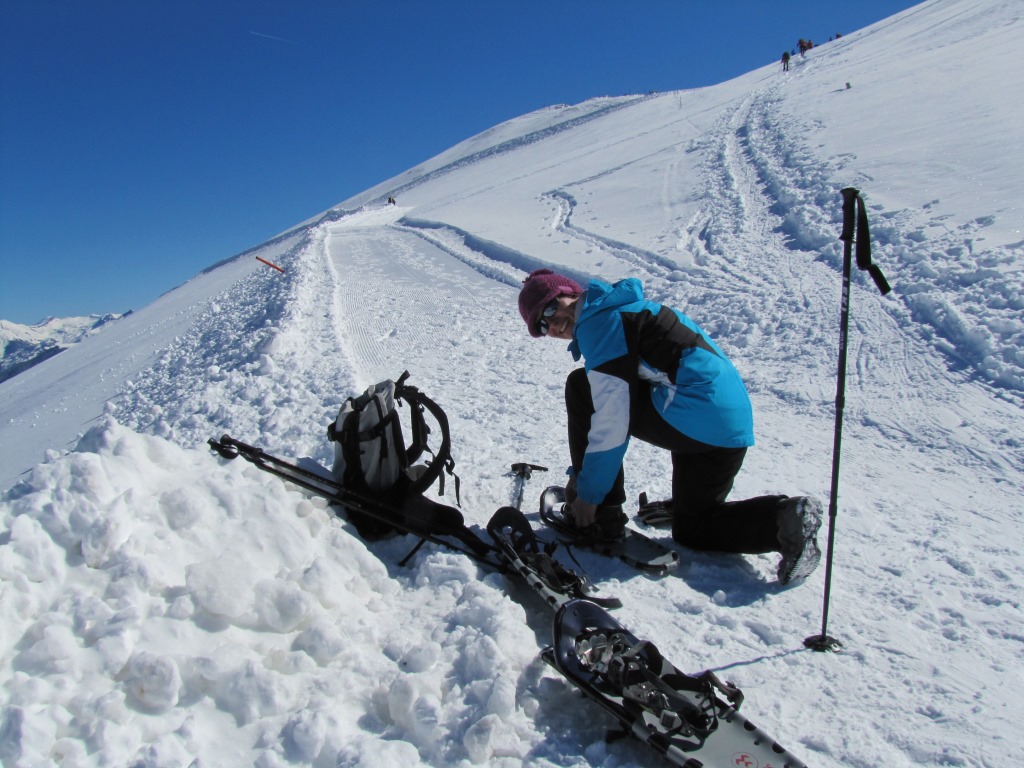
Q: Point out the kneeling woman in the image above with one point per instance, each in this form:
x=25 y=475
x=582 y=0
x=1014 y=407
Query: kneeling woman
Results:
x=652 y=373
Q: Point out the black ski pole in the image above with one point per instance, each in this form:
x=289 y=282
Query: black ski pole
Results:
x=524 y=472
x=855 y=229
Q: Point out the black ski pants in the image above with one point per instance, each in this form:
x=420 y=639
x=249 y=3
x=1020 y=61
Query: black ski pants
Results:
x=702 y=477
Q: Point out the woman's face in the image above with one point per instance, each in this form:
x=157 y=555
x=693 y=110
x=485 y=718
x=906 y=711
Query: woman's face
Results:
x=561 y=323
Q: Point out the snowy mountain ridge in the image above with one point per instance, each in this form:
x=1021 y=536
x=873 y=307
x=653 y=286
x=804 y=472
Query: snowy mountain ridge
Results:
x=26 y=345
x=165 y=607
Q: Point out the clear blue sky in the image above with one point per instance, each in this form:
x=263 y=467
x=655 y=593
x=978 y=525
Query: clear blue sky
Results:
x=143 y=140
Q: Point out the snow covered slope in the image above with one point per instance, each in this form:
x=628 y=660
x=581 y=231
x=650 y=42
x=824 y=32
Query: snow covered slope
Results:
x=164 y=608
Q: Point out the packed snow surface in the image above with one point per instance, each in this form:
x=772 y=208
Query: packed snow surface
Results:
x=165 y=607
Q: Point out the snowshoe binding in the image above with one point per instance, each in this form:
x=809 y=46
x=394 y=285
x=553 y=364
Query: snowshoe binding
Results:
x=534 y=560
x=631 y=546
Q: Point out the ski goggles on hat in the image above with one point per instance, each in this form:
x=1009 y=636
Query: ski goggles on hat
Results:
x=549 y=311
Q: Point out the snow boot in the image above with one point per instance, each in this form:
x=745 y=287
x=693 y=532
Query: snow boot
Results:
x=798 y=520
x=611 y=521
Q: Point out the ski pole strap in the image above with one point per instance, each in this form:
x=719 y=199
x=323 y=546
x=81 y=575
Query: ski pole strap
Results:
x=855 y=228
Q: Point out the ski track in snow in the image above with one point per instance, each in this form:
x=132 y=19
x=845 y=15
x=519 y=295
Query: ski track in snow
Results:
x=754 y=214
x=438 y=335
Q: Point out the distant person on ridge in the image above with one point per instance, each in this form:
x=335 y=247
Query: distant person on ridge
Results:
x=785 y=61
x=652 y=373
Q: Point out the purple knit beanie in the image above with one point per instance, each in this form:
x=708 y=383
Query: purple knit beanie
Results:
x=538 y=289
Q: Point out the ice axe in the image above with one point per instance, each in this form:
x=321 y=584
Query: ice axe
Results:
x=524 y=472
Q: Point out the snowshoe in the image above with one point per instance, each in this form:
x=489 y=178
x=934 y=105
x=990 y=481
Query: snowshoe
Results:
x=693 y=720
x=632 y=547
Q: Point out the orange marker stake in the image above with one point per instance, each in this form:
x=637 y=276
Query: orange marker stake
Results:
x=269 y=264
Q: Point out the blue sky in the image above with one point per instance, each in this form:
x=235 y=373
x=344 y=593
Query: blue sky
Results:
x=141 y=142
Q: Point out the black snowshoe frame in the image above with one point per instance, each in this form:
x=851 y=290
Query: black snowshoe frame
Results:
x=633 y=677
x=636 y=670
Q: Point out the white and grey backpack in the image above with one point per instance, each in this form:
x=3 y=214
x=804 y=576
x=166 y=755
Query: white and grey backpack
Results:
x=370 y=453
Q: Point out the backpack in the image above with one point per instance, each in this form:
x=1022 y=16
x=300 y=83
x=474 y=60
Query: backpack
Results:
x=370 y=454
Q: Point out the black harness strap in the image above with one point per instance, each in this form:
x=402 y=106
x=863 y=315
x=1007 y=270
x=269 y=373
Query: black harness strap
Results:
x=443 y=461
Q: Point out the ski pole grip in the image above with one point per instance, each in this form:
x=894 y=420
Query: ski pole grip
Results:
x=522 y=469
x=850 y=195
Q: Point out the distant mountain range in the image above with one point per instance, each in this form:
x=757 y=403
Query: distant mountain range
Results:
x=27 y=345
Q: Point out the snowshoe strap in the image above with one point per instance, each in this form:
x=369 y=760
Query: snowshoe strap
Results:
x=732 y=694
x=565 y=525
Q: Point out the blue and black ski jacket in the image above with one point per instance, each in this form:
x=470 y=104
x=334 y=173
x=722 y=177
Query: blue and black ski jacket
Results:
x=633 y=347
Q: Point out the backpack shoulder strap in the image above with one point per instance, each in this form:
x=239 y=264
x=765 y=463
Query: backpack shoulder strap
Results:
x=443 y=461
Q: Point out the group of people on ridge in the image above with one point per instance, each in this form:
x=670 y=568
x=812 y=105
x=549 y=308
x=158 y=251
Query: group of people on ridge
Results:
x=803 y=46
x=651 y=373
